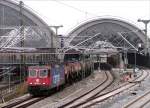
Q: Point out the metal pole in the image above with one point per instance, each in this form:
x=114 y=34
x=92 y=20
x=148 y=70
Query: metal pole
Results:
x=57 y=47
x=147 y=41
x=99 y=63
x=9 y=79
x=56 y=33
x=21 y=30
x=120 y=63
x=126 y=60
x=134 y=74
x=21 y=24
x=85 y=65
x=56 y=29
x=124 y=56
x=91 y=62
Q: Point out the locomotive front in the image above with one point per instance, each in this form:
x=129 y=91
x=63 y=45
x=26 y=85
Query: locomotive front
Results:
x=39 y=79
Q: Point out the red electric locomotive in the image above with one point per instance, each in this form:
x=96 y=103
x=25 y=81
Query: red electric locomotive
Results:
x=42 y=79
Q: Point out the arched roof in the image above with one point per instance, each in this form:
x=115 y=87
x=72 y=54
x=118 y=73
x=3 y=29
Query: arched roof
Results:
x=116 y=31
x=35 y=29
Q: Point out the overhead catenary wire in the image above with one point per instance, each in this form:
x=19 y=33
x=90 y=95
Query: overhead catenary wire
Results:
x=75 y=8
x=86 y=36
x=71 y=7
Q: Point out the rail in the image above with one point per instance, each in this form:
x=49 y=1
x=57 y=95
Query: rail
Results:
x=139 y=102
x=87 y=95
x=114 y=92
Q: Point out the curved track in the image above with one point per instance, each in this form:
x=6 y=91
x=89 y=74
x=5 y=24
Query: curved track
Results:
x=30 y=100
x=92 y=93
x=139 y=102
x=114 y=92
x=87 y=99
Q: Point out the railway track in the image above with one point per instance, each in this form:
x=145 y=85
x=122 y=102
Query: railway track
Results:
x=88 y=95
x=30 y=100
x=24 y=103
x=86 y=100
x=100 y=98
x=139 y=102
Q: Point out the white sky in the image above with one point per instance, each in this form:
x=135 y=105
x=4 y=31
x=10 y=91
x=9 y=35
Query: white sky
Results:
x=70 y=13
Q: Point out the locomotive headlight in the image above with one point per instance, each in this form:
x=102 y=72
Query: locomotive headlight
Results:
x=37 y=80
x=44 y=83
x=30 y=83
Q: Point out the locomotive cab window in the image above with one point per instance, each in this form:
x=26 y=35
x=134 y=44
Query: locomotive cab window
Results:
x=32 y=73
x=43 y=73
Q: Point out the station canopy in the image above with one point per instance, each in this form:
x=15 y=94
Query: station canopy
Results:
x=106 y=32
x=18 y=24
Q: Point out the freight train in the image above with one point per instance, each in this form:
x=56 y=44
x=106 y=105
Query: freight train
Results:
x=43 y=78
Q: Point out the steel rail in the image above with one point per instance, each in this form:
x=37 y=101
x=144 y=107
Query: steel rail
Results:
x=31 y=102
x=114 y=92
x=24 y=103
x=16 y=103
x=70 y=103
x=135 y=102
